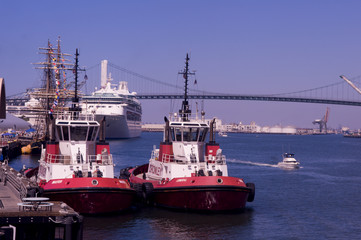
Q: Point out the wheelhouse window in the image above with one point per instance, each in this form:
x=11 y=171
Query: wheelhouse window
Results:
x=95 y=133
x=203 y=134
x=190 y=134
x=66 y=133
x=195 y=134
x=171 y=130
x=90 y=133
x=78 y=133
x=178 y=134
x=60 y=135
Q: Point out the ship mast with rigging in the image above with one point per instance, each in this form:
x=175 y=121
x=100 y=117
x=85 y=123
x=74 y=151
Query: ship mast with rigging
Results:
x=54 y=90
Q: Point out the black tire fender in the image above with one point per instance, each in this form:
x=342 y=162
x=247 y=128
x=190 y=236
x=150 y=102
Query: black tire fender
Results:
x=138 y=190
x=252 y=193
x=147 y=190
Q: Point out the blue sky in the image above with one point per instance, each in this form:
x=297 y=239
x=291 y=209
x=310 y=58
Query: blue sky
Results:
x=240 y=47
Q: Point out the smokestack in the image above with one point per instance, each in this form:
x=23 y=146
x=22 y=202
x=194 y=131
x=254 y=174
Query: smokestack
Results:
x=2 y=99
x=104 y=73
x=166 y=132
x=52 y=129
x=102 y=130
x=211 y=132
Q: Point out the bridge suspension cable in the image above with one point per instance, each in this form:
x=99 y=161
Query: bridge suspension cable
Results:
x=151 y=88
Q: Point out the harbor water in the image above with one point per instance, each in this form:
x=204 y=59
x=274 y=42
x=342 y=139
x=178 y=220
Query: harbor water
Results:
x=321 y=200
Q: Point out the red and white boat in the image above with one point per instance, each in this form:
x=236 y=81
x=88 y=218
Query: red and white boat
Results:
x=77 y=169
x=80 y=171
x=186 y=172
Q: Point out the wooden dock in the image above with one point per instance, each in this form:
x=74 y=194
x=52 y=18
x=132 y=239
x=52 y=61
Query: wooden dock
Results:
x=10 y=149
x=58 y=222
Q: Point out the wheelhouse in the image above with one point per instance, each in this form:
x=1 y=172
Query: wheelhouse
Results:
x=77 y=130
x=188 y=132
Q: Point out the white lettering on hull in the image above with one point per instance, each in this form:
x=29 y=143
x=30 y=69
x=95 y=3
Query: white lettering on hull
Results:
x=181 y=180
x=56 y=181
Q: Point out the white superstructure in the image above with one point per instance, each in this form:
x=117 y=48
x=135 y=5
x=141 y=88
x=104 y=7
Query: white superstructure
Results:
x=289 y=161
x=184 y=152
x=76 y=150
x=121 y=109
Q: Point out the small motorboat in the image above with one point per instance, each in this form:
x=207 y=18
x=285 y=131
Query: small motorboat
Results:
x=289 y=161
x=222 y=134
x=186 y=172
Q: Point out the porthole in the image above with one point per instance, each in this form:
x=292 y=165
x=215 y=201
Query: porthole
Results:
x=220 y=180
x=95 y=182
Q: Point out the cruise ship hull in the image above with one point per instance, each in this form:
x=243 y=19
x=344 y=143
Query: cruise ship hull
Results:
x=116 y=126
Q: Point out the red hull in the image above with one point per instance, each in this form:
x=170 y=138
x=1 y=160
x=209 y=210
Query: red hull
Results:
x=201 y=198
x=207 y=193
x=84 y=196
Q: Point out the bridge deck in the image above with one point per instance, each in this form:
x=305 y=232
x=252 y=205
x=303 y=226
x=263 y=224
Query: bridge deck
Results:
x=273 y=98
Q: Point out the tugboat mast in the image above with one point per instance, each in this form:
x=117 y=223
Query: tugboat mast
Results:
x=76 y=99
x=185 y=111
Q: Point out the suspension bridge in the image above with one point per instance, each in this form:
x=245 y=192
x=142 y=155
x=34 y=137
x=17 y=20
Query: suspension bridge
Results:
x=147 y=88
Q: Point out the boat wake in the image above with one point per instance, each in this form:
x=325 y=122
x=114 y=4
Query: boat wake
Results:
x=252 y=163
x=260 y=164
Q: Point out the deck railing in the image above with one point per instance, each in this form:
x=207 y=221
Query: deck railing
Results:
x=10 y=176
x=193 y=117
x=75 y=115
x=100 y=159
x=218 y=159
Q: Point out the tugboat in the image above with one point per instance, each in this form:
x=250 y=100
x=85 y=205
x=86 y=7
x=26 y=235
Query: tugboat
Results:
x=186 y=173
x=77 y=169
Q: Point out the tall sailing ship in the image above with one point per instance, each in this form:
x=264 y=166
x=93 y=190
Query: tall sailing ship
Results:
x=53 y=93
x=121 y=109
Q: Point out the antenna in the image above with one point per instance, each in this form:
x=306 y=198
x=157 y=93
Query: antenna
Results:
x=196 y=110
x=185 y=111
x=75 y=105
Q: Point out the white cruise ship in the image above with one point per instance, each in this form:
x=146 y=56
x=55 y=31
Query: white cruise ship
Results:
x=121 y=109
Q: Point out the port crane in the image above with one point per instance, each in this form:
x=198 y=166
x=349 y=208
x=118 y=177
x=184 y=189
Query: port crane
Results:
x=323 y=122
x=351 y=84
